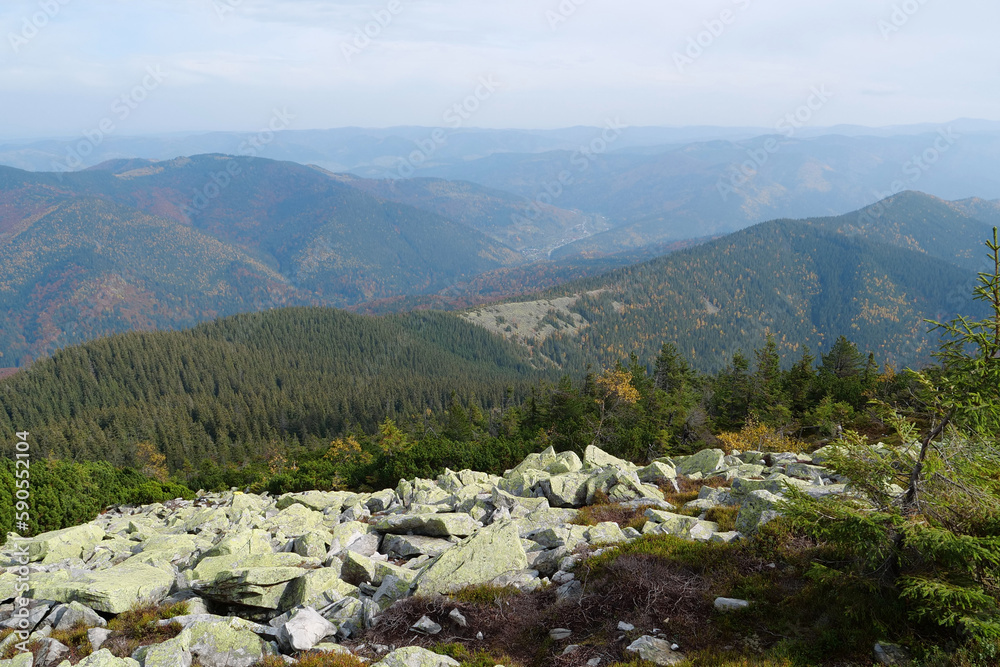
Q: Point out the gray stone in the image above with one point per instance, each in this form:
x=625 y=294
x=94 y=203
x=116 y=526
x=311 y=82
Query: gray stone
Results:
x=50 y=653
x=726 y=538
x=405 y=546
x=97 y=636
x=67 y=616
x=656 y=651
x=432 y=525
x=559 y=634
x=426 y=626
x=456 y=616
x=890 y=654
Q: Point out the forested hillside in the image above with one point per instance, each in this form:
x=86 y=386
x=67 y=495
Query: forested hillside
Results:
x=89 y=267
x=873 y=276
x=227 y=391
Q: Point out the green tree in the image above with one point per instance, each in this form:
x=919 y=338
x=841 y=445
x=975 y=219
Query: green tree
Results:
x=731 y=393
x=800 y=382
x=767 y=396
x=672 y=371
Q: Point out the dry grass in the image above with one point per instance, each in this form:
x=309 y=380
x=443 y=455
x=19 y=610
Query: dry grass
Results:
x=139 y=627
x=514 y=625
x=485 y=594
x=690 y=488
x=625 y=517
x=314 y=660
x=474 y=658
x=76 y=639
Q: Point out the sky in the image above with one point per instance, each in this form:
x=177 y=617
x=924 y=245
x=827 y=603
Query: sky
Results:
x=155 y=66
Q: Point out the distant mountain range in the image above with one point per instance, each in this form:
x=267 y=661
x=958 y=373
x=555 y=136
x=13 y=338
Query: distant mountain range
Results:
x=616 y=190
x=142 y=244
x=696 y=190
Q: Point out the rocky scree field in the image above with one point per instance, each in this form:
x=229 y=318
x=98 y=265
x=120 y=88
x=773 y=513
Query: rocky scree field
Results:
x=469 y=568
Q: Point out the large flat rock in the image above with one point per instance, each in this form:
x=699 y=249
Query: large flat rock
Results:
x=493 y=551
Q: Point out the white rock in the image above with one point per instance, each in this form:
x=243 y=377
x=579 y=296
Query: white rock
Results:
x=305 y=629
x=730 y=604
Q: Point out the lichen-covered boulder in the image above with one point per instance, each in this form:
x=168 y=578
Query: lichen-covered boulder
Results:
x=317 y=588
x=414 y=656
x=174 y=652
x=319 y=501
x=112 y=591
x=706 y=462
x=493 y=551
x=294 y=521
x=595 y=457
x=345 y=535
x=568 y=490
x=405 y=546
x=523 y=482
x=657 y=472
x=104 y=658
x=58 y=545
x=539 y=461
x=263 y=587
x=225 y=644
x=21 y=660
x=312 y=545
x=565 y=462
x=229 y=551
x=758 y=508
x=607 y=532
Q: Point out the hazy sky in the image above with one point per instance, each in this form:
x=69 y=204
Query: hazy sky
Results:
x=189 y=65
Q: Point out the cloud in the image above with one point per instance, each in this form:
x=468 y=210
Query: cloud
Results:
x=563 y=62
